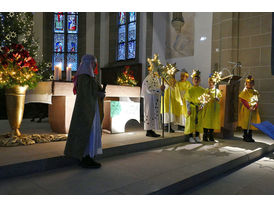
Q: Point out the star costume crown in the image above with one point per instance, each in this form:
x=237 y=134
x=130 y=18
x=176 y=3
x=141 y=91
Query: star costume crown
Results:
x=195 y=73
x=249 y=79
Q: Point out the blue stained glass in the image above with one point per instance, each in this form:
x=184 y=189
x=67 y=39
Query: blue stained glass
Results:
x=132 y=16
x=72 y=23
x=122 y=18
x=58 y=59
x=131 y=49
x=72 y=61
x=72 y=12
x=59 y=26
x=132 y=31
x=58 y=42
x=122 y=34
x=121 y=51
x=72 y=42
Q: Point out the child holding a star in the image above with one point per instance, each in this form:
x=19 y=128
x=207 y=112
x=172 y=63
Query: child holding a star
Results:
x=180 y=108
x=249 y=112
x=211 y=110
x=194 y=113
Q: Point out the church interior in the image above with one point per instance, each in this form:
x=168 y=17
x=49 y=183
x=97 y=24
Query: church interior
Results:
x=235 y=44
x=208 y=41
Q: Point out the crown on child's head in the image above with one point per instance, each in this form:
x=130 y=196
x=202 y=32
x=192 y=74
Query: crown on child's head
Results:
x=249 y=79
x=195 y=73
x=184 y=73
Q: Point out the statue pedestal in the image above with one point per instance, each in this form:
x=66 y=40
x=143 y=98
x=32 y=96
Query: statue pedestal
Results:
x=229 y=106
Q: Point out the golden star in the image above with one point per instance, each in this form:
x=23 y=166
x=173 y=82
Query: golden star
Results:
x=155 y=64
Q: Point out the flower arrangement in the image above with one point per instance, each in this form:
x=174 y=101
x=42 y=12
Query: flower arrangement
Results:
x=126 y=78
x=17 y=67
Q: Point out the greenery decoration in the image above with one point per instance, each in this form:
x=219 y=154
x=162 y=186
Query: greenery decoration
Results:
x=126 y=78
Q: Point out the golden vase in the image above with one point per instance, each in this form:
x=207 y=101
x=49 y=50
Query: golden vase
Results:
x=15 y=102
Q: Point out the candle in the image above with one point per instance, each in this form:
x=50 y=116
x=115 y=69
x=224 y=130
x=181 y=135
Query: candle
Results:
x=68 y=73
x=58 y=72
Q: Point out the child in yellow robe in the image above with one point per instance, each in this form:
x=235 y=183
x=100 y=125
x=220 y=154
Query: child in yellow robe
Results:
x=194 y=113
x=180 y=108
x=171 y=96
x=248 y=109
x=211 y=111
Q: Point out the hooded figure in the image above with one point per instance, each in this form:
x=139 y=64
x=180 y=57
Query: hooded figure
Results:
x=84 y=137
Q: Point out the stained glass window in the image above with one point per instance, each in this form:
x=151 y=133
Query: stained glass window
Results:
x=59 y=43
x=59 y=26
x=72 y=61
x=131 y=49
x=132 y=16
x=126 y=48
x=72 y=42
x=58 y=59
x=122 y=51
x=72 y=24
x=132 y=31
x=65 y=32
x=122 y=18
x=122 y=34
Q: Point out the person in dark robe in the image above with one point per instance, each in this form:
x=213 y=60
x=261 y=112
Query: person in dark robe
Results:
x=84 y=137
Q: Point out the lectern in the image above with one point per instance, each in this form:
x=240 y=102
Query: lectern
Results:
x=229 y=105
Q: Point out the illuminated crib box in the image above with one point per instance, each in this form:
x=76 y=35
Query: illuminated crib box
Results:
x=122 y=103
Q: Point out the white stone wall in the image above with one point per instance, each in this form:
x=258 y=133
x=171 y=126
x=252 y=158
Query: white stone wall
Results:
x=202 y=49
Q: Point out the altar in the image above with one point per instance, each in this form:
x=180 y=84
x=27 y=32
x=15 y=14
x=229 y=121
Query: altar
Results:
x=122 y=103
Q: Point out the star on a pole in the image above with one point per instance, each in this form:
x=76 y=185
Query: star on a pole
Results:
x=155 y=65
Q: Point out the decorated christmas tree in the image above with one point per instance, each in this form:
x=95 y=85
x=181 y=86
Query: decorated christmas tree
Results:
x=17 y=28
x=19 y=51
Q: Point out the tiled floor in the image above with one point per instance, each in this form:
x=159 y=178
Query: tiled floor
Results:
x=254 y=179
x=144 y=172
x=10 y=155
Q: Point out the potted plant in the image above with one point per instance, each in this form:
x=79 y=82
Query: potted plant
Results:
x=18 y=71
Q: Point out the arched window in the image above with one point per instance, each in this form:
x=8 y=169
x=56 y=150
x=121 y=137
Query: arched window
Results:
x=65 y=40
x=126 y=48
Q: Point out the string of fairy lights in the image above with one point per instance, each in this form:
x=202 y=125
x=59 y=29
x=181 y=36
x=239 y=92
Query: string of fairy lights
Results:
x=17 y=66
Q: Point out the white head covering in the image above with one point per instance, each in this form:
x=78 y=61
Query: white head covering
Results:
x=86 y=65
